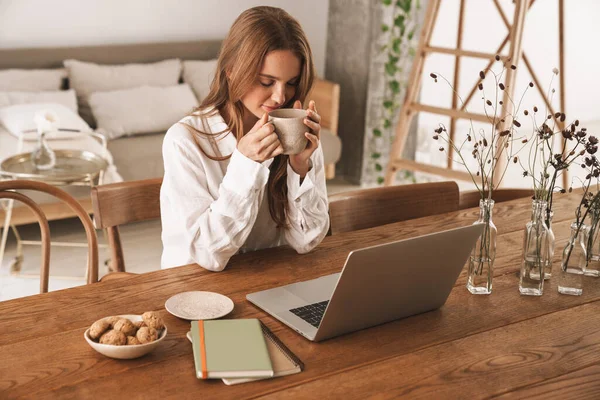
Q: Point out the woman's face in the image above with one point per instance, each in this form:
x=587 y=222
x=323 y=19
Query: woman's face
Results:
x=275 y=84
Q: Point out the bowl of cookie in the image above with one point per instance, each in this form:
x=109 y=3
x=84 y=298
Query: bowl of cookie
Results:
x=126 y=336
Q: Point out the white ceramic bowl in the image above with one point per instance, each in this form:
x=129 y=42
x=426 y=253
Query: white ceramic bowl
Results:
x=125 y=352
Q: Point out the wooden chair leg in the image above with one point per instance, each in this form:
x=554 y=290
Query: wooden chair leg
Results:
x=330 y=171
x=44 y=230
x=117 y=262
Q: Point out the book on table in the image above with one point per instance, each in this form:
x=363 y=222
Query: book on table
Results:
x=284 y=361
x=230 y=348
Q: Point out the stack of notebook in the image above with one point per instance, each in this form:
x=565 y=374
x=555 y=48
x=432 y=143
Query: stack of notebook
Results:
x=239 y=350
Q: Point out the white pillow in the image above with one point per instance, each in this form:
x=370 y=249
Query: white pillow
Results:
x=141 y=110
x=87 y=78
x=31 y=80
x=19 y=120
x=199 y=75
x=64 y=97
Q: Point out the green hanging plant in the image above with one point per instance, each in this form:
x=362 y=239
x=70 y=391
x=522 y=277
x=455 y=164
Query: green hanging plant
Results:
x=398 y=36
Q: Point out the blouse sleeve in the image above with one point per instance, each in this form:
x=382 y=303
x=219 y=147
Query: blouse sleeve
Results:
x=215 y=226
x=308 y=206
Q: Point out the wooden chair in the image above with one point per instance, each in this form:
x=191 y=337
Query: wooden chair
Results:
x=121 y=203
x=326 y=95
x=7 y=191
x=471 y=199
x=367 y=208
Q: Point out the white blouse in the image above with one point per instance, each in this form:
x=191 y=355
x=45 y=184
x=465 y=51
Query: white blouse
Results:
x=211 y=209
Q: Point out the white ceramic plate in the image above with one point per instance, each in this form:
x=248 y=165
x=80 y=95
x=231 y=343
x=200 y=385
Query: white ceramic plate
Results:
x=199 y=305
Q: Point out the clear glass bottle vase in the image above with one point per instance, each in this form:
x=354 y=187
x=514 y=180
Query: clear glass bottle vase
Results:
x=481 y=261
x=593 y=243
x=43 y=156
x=535 y=251
x=551 y=240
x=574 y=258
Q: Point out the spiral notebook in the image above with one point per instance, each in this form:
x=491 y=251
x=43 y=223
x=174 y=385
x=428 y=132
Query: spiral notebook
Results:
x=284 y=361
x=230 y=348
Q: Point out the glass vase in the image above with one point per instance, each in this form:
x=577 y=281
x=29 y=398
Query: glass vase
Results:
x=43 y=157
x=481 y=261
x=572 y=266
x=551 y=243
x=535 y=252
x=593 y=243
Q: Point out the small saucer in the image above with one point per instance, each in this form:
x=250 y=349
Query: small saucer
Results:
x=199 y=305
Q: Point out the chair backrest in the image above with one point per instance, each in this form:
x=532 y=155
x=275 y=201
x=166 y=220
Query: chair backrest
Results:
x=121 y=203
x=471 y=199
x=367 y=208
x=326 y=95
x=7 y=191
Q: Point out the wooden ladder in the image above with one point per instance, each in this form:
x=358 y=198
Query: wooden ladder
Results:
x=411 y=107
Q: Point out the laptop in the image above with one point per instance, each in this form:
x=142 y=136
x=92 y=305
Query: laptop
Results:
x=377 y=284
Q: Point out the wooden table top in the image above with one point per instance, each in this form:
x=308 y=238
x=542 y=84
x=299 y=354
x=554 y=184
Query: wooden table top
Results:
x=475 y=346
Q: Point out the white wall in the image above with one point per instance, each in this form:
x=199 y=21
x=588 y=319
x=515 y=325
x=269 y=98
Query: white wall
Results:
x=47 y=23
x=484 y=31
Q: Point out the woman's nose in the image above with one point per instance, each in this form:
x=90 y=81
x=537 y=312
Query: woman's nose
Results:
x=278 y=95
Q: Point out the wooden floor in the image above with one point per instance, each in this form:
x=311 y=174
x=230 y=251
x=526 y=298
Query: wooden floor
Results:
x=141 y=242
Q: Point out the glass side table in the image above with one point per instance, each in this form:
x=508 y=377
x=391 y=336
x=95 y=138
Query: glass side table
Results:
x=73 y=168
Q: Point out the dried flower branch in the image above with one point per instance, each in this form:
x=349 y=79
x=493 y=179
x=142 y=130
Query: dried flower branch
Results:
x=545 y=165
x=589 y=200
x=487 y=148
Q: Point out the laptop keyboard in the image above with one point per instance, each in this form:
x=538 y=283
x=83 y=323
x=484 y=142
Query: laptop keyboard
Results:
x=312 y=313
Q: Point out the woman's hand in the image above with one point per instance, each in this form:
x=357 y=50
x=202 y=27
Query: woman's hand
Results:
x=261 y=143
x=300 y=162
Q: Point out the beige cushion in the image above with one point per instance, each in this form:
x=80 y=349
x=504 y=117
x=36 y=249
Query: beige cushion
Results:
x=87 y=78
x=65 y=97
x=199 y=75
x=141 y=110
x=31 y=80
x=332 y=146
x=138 y=157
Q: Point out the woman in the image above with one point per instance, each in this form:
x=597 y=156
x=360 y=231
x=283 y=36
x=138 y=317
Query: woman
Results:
x=227 y=186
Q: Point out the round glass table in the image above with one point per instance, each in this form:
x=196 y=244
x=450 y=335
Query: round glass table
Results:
x=73 y=167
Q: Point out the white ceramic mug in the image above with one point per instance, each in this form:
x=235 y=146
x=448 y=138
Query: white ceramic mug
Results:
x=290 y=128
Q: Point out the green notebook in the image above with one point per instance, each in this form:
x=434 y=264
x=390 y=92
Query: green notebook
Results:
x=230 y=348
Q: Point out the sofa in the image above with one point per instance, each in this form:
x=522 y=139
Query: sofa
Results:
x=139 y=156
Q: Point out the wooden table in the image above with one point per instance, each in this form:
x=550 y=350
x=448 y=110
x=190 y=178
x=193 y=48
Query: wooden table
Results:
x=503 y=345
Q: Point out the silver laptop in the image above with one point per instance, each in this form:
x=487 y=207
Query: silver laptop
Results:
x=377 y=284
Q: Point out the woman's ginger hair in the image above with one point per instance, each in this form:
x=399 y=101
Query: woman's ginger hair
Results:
x=255 y=33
